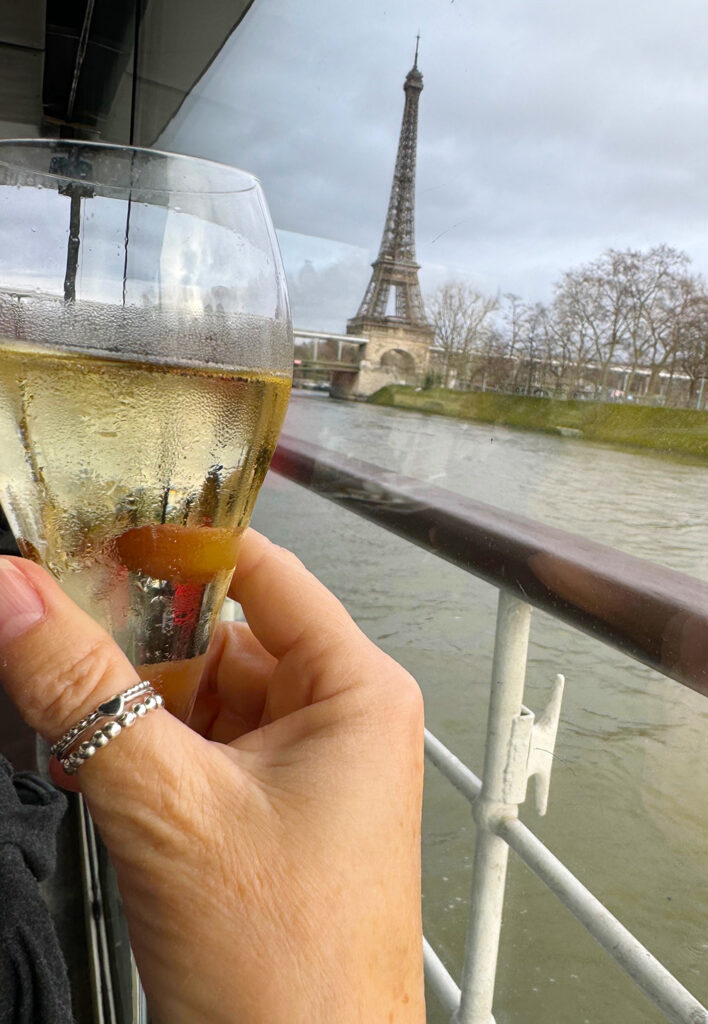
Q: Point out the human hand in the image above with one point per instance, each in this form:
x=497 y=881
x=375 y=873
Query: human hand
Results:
x=271 y=871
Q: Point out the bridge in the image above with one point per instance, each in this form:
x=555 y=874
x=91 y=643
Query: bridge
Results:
x=356 y=365
x=317 y=351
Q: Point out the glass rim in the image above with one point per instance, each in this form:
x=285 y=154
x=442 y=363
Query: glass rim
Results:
x=250 y=181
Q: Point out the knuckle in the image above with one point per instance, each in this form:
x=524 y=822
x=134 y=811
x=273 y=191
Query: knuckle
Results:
x=390 y=694
x=399 y=692
x=411 y=696
x=406 y=697
x=287 y=556
x=81 y=682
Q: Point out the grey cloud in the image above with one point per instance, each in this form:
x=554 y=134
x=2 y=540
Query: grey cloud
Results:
x=548 y=130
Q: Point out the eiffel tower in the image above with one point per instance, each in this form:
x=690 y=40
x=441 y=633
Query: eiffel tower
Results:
x=392 y=302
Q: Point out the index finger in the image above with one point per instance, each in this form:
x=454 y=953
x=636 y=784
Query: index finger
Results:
x=284 y=604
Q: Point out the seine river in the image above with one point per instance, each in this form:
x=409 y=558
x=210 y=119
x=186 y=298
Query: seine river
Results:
x=629 y=790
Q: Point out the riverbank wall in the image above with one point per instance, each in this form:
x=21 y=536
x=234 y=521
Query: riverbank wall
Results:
x=679 y=432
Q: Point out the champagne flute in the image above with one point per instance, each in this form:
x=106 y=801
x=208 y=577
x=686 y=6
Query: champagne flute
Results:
x=145 y=367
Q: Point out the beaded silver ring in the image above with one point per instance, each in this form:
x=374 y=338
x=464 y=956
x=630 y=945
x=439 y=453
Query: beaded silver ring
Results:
x=114 y=715
x=113 y=706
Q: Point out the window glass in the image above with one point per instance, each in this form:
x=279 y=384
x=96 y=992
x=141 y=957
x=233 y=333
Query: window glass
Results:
x=559 y=214
x=535 y=330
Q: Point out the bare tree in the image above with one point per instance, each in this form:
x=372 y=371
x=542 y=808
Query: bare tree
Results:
x=630 y=310
x=538 y=348
x=626 y=307
x=595 y=300
x=514 y=329
x=692 y=348
x=668 y=314
x=551 y=352
x=461 y=318
x=657 y=289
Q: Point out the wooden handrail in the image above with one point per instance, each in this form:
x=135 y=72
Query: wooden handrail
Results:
x=653 y=614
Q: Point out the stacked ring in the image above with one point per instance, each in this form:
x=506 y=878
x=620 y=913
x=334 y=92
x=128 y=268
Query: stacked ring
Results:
x=104 y=723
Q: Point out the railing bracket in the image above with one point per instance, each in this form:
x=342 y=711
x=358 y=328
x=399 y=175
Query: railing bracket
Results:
x=531 y=751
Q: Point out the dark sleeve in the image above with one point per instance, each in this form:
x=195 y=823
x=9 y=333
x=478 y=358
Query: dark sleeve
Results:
x=34 y=987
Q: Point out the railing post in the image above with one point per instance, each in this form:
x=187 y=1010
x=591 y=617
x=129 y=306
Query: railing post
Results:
x=493 y=805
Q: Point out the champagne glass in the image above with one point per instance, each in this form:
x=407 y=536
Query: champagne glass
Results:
x=145 y=367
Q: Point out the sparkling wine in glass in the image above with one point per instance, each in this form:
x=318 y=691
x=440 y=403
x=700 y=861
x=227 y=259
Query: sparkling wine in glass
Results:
x=145 y=365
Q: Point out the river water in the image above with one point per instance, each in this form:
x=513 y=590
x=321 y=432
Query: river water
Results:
x=629 y=789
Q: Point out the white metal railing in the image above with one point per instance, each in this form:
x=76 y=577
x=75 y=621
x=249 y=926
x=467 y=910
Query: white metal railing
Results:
x=518 y=748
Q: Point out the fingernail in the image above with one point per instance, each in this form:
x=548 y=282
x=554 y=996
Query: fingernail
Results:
x=20 y=604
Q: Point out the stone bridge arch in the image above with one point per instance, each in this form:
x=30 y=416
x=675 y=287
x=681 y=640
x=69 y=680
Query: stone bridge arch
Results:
x=392 y=354
x=402 y=364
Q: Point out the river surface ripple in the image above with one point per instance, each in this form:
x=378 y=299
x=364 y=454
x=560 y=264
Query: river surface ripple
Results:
x=629 y=789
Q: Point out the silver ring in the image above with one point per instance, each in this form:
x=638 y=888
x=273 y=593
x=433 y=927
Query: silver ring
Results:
x=113 y=706
x=112 y=716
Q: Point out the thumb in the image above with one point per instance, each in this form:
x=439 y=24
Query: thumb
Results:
x=57 y=664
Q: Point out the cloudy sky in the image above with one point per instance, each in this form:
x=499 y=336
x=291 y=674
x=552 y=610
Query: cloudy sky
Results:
x=549 y=130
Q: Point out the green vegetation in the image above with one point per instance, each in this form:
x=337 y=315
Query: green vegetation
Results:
x=681 y=432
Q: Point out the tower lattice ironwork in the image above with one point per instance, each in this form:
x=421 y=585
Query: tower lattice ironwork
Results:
x=395 y=269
